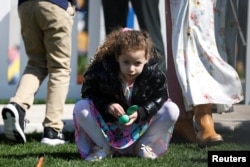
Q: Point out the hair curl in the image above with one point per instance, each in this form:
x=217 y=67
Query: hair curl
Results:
x=120 y=41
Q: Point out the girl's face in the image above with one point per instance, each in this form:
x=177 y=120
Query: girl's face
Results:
x=131 y=64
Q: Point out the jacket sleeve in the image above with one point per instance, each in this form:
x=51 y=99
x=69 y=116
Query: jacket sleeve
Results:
x=157 y=98
x=101 y=102
x=92 y=88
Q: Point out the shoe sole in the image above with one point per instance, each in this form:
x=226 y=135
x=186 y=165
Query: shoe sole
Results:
x=53 y=142
x=211 y=143
x=12 y=129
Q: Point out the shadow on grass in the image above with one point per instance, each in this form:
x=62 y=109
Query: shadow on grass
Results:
x=35 y=137
x=33 y=141
x=239 y=134
x=199 y=160
x=56 y=155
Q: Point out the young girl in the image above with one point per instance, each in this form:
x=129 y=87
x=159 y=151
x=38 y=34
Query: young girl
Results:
x=124 y=72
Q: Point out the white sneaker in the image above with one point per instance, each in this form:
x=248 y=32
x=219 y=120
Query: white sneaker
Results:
x=52 y=137
x=13 y=118
x=145 y=151
x=98 y=154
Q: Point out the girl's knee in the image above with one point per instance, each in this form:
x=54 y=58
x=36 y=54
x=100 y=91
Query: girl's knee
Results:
x=81 y=108
x=171 y=110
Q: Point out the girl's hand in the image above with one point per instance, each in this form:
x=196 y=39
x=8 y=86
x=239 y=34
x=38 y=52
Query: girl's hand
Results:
x=132 y=118
x=116 y=110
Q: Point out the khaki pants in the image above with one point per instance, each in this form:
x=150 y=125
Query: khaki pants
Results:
x=46 y=30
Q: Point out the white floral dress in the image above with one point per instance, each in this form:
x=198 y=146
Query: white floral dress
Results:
x=203 y=75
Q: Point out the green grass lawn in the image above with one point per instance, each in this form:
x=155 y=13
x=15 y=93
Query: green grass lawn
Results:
x=179 y=154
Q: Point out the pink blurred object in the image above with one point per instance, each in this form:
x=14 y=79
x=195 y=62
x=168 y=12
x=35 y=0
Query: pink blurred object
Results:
x=126 y=29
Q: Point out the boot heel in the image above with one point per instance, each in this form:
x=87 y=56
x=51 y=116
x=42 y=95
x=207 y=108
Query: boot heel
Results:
x=210 y=143
x=204 y=127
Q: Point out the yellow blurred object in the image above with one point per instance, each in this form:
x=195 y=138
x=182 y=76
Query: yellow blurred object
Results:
x=80 y=3
x=82 y=41
x=40 y=162
x=13 y=69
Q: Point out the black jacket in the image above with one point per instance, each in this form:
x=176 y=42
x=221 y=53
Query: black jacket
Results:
x=103 y=86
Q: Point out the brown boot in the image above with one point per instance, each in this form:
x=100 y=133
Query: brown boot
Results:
x=204 y=127
x=184 y=128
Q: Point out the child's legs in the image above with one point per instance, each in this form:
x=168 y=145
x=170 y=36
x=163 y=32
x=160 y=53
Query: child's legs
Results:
x=161 y=123
x=83 y=143
x=88 y=126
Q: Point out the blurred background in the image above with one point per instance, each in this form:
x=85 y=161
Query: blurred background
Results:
x=88 y=33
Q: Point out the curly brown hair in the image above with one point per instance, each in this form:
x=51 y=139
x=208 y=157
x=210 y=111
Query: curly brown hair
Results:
x=122 y=40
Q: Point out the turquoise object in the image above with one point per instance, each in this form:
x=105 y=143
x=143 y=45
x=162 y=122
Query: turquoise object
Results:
x=123 y=119
x=132 y=109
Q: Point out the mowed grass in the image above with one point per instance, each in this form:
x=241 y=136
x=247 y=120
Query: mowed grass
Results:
x=179 y=154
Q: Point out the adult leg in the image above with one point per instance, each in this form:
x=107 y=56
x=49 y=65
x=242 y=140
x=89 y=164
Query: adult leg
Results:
x=36 y=69
x=13 y=114
x=147 y=12
x=184 y=125
x=204 y=125
x=115 y=14
x=57 y=40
